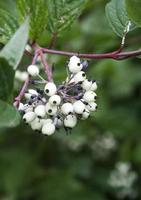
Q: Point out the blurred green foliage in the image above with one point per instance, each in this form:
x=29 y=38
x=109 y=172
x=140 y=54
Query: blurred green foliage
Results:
x=78 y=166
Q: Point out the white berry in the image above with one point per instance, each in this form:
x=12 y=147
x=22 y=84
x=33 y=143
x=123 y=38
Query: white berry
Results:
x=86 y=85
x=50 y=89
x=36 y=124
x=70 y=121
x=67 y=108
x=78 y=107
x=75 y=65
x=92 y=106
x=48 y=129
x=79 y=77
x=29 y=117
x=94 y=86
x=89 y=96
x=33 y=70
x=85 y=114
x=40 y=111
x=55 y=100
x=46 y=121
x=51 y=110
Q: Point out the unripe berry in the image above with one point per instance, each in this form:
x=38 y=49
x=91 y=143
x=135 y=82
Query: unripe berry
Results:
x=29 y=117
x=86 y=85
x=50 y=89
x=67 y=108
x=33 y=70
x=70 y=121
x=48 y=129
x=79 y=77
x=89 y=96
x=78 y=107
x=51 y=110
x=92 y=106
x=55 y=100
x=75 y=65
x=36 y=124
x=40 y=111
x=94 y=86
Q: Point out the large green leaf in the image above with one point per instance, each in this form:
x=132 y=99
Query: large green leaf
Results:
x=117 y=16
x=37 y=10
x=8 y=25
x=134 y=10
x=14 y=50
x=62 y=13
x=6 y=80
x=9 y=116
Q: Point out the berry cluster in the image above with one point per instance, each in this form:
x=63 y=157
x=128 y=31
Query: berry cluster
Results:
x=49 y=107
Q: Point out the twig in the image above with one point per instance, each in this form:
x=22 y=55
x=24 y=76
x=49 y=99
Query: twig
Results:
x=25 y=86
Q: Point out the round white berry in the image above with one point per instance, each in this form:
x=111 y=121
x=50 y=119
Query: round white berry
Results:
x=89 y=96
x=46 y=121
x=36 y=124
x=27 y=96
x=67 y=108
x=85 y=114
x=55 y=100
x=58 y=122
x=48 y=129
x=92 y=106
x=40 y=111
x=28 y=109
x=70 y=121
x=29 y=117
x=33 y=92
x=75 y=65
x=51 y=110
x=50 y=89
x=86 y=85
x=33 y=70
x=79 y=77
x=78 y=107
x=21 y=107
x=94 y=86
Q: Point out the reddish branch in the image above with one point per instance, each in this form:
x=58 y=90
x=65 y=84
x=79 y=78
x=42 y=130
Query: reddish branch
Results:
x=116 y=55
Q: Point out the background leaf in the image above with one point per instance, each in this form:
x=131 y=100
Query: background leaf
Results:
x=134 y=10
x=37 y=10
x=14 y=50
x=62 y=13
x=9 y=116
x=117 y=16
x=6 y=80
x=8 y=25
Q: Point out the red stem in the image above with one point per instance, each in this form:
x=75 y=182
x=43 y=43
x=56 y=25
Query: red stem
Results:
x=116 y=55
x=25 y=86
x=48 y=70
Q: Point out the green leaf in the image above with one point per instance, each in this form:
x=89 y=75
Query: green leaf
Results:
x=6 y=80
x=8 y=25
x=62 y=13
x=37 y=9
x=14 y=50
x=134 y=10
x=9 y=116
x=117 y=16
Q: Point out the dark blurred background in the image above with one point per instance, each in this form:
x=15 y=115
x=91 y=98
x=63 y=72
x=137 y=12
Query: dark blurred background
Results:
x=101 y=159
